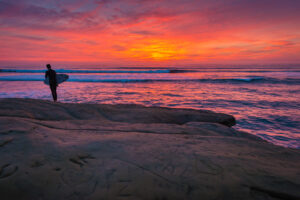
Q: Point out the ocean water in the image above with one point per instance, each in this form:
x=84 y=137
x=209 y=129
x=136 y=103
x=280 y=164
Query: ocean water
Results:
x=264 y=100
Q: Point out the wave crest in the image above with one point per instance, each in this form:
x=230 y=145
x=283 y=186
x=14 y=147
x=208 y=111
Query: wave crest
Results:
x=127 y=79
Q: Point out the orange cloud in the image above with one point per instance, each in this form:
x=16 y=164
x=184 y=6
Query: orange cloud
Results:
x=126 y=32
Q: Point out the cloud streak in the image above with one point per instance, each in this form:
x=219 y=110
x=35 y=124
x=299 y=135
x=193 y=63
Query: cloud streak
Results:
x=151 y=31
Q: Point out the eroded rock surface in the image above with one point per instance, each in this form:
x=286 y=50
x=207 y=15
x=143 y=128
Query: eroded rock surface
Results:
x=80 y=151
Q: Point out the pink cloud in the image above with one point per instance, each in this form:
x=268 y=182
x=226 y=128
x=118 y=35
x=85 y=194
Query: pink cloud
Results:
x=99 y=30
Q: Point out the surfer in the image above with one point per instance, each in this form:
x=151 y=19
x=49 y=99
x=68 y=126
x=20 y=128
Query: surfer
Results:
x=51 y=74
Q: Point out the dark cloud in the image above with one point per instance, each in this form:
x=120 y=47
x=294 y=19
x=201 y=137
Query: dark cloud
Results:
x=97 y=14
x=29 y=37
x=119 y=48
x=143 y=32
x=282 y=43
x=90 y=42
x=37 y=17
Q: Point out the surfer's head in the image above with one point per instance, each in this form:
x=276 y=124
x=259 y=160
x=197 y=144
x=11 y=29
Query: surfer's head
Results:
x=48 y=66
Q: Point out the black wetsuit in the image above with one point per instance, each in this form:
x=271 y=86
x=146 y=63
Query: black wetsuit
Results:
x=52 y=82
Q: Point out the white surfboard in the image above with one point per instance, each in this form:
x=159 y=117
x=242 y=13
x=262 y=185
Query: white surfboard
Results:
x=59 y=78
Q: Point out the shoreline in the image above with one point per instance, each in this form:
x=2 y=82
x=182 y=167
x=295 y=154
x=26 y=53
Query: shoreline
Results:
x=90 y=151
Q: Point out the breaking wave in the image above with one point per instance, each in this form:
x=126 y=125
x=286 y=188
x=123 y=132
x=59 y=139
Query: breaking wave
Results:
x=91 y=71
x=126 y=79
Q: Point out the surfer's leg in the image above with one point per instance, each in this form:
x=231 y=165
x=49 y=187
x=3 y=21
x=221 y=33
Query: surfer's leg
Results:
x=55 y=94
x=53 y=91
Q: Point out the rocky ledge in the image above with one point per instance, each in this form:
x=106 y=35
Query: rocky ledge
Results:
x=94 y=151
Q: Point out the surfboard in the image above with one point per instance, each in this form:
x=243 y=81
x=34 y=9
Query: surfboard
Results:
x=59 y=78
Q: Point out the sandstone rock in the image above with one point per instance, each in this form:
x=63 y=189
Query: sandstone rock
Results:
x=87 y=151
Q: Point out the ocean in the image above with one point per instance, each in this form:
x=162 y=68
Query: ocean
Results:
x=264 y=100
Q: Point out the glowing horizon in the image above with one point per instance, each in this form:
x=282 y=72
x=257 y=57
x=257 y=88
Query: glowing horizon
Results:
x=156 y=32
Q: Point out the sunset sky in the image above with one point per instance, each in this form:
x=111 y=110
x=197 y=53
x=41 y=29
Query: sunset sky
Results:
x=149 y=32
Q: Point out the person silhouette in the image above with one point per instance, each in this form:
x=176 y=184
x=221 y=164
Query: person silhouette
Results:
x=51 y=74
